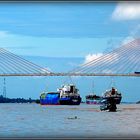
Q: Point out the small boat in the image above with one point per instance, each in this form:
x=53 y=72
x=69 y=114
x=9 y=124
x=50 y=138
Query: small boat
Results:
x=108 y=104
x=49 y=98
x=114 y=93
x=93 y=99
x=69 y=95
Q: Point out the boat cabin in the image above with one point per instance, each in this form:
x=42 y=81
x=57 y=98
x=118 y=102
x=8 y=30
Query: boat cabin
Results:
x=68 y=90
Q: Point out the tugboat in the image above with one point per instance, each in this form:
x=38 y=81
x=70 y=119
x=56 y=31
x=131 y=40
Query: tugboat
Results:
x=108 y=104
x=69 y=95
x=114 y=93
x=50 y=98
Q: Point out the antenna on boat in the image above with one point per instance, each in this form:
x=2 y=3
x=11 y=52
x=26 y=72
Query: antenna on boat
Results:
x=4 y=88
x=69 y=79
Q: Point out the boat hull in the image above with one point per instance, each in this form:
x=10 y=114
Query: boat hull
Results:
x=70 y=101
x=51 y=98
x=93 y=102
x=42 y=103
x=99 y=101
x=54 y=99
x=117 y=99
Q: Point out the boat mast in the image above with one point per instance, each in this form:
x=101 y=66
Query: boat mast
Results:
x=92 y=87
x=113 y=82
x=4 y=88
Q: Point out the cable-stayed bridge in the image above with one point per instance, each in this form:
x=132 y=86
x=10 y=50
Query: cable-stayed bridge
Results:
x=14 y=65
x=122 y=61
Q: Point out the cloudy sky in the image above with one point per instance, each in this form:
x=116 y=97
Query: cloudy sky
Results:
x=60 y=29
x=57 y=29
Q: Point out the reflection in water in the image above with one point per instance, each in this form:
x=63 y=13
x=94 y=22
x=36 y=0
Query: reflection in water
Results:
x=84 y=121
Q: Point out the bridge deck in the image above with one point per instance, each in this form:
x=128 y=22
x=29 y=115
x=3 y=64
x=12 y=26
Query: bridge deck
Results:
x=71 y=74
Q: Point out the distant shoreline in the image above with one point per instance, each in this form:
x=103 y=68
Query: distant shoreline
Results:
x=17 y=100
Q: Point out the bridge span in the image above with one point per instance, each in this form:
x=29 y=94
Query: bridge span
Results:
x=72 y=74
x=122 y=61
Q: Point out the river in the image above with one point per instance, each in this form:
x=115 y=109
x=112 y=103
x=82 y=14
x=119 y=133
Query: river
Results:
x=36 y=121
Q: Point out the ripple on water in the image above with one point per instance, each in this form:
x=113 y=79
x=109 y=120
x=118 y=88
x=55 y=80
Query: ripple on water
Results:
x=32 y=120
